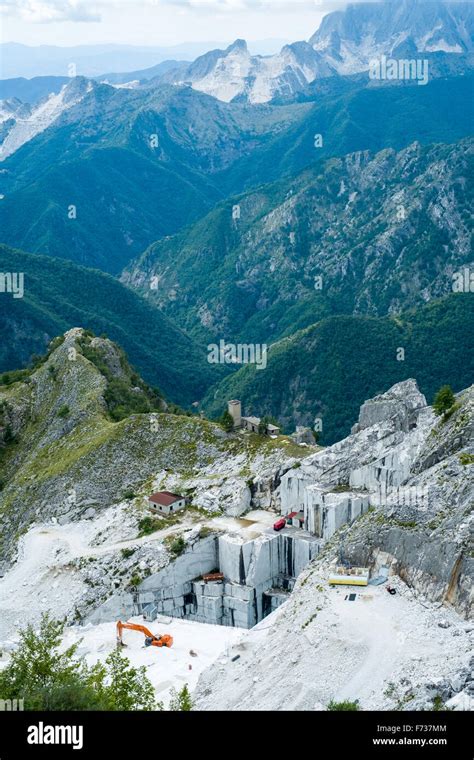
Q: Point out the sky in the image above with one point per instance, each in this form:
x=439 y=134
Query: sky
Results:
x=159 y=22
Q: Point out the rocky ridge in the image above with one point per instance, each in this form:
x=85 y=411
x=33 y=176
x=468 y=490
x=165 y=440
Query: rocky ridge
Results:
x=345 y=43
x=65 y=457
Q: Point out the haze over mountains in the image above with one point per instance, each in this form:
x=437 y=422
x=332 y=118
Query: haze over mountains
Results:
x=94 y=60
x=237 y=182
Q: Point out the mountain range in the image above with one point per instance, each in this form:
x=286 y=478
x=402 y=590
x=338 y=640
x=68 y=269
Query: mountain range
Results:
x=90 y=159
x=85 y=146
x=345 y=43
x=277 y=235
x=365 y=233
x=93 y=60
x=246 y=198
x=349 y=39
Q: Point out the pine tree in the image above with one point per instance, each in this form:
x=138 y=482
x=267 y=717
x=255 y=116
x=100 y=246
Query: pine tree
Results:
x=227 y=422
x=181 y=700
x=444 y=400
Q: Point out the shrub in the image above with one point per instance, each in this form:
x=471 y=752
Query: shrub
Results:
x=64 y=411
x=178 y=545
x=227 y=422
x=8 y=435
x=439 y=705
x=451 y=411
x=346 y=706
x=14 y=376
x=148 y=525
x=205 y=531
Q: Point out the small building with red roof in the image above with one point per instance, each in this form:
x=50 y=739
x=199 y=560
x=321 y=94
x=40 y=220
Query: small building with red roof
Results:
x=166 y=503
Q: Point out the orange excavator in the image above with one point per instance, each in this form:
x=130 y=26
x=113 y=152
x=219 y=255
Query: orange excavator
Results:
x=150 y=639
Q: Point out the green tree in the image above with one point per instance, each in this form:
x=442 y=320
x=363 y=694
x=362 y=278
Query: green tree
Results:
x=444 y=400
x=178 y=545
x=227 y=422
x=181 y=700
x=43 y=675
x=128 y=687
x=49 y=678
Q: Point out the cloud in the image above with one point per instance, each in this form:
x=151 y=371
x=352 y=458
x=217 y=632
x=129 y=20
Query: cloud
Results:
x=263 y=6
x=257 y=5
x=50 y=11
x=248 y=5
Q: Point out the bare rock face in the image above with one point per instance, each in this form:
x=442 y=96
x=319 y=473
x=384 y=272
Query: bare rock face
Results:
x=451 y=435
x=416 y=471
x=418 y=529
x=111 y=356
x=401 y=404
x=304 y=435
x=391 y=431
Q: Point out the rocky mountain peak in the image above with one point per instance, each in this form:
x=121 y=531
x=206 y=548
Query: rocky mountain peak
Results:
x=350 y=39
x=400 y=404
x=237 y=46
x=43 y=114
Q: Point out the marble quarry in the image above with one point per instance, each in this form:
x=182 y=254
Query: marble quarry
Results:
x=329 y=489
x=324 y=511
x=258 y=576
x=370 y=467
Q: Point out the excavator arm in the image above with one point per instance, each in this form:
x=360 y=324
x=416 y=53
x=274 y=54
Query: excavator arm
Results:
x=150 y=639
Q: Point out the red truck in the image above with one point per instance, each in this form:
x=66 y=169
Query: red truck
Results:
x=280 y=524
